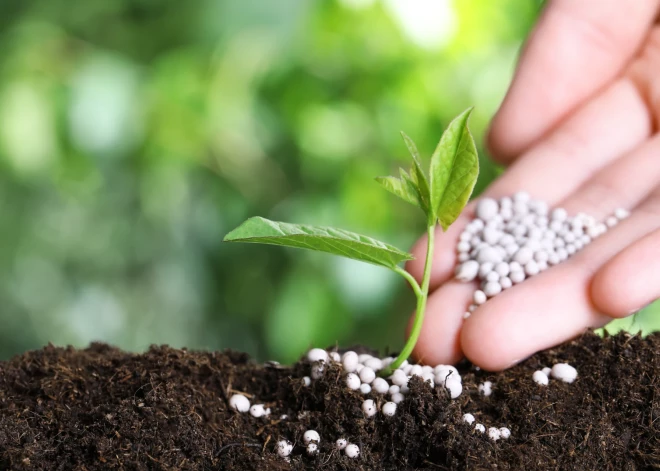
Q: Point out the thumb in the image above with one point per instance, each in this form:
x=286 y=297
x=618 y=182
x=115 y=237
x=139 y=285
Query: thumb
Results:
x=576 y=48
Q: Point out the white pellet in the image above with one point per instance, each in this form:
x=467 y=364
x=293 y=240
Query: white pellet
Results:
x=531 y=268
x=491 y=235
x=564 y=372
x=517 y=276
x=463 y=246
x=520 y=208
x=399 y=378
x=239 y=403
x=485 y=269
x=502 y=269
x=469 y=418
x=393 y=389
x=258 y=410
x=350 y=361
x=541 y=256
x=374 y=363
x=334 y=356
x=493 y=276
x=416 y=370
x=389 y=409
x=306 y=381
x=397 y=397
x=429 y=378
x=494 y=433
x=485 y=388
x=559 y=214
x=317 y=354
x=365 y=388
x=562 y=254
x=312 y=449
x=369 y=408
x=380 y=386
x=341 y=443
x=505 y=282
x=352 y=450
x=514 y=266
x=367 y=375
x=486 y=209
x=492 y=288
x=311 y=436
x=480 y=428
x=451 y=368
x=454 y=386
x=353 y=381
x=541 y=378
x=611 y=221
x=467 y=271
x=523 y=256
x=546 y=371
x=621 y=213
x=284 y=448
x=463 y=257
x=479 y=297
x=522 y=196
x=505 y=432
x=489 y=254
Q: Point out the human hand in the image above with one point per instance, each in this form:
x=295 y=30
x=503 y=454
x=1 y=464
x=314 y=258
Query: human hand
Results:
x=578 y=129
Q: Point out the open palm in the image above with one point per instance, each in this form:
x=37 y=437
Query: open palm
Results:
x=578 y=129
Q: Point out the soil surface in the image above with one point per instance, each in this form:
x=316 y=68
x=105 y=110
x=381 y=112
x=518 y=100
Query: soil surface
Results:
x=102 y=408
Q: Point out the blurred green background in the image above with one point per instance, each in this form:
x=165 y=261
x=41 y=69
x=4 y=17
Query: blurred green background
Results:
x=134 y=134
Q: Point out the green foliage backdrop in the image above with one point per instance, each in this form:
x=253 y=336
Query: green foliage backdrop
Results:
x=134 y=134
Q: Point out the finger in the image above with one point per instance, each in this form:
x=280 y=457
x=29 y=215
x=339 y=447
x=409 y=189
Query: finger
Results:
x=605 y=129
x=631 y=280
x=624 y=183
x=552 y=307
x=610 y=189
x=593 y=137
x=574 y=51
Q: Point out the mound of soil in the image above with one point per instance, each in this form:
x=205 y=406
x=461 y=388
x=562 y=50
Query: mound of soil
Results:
x=102 y=408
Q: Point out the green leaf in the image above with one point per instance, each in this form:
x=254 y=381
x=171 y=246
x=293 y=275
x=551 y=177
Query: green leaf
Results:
x=417 y=173
x=321 y=239
x=454 y=170
x=400 y=188
x=410 y=184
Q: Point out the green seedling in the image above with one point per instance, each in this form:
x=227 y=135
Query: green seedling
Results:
x=441 y=195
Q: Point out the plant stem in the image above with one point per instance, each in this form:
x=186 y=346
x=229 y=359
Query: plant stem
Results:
x=422 y=294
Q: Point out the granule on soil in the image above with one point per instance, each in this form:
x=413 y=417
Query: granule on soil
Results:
x=167 y=409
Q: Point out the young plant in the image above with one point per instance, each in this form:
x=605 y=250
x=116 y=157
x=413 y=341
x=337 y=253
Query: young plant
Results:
x=441 y=196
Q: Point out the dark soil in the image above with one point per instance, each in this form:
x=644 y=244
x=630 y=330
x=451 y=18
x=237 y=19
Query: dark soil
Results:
x=102 y=408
